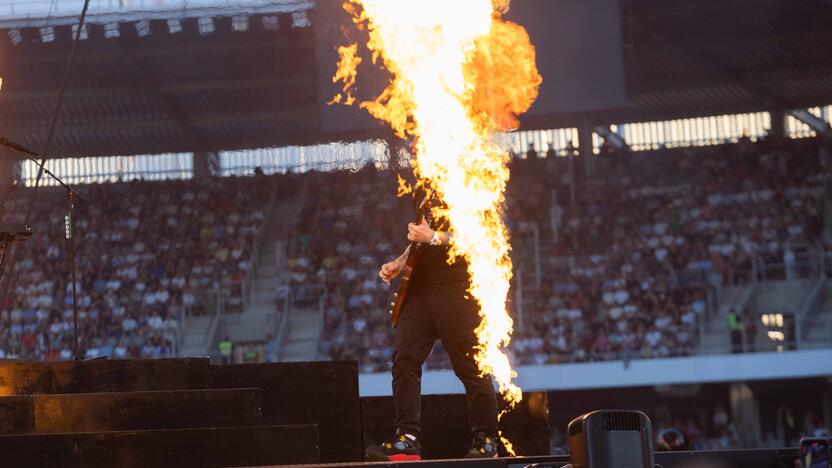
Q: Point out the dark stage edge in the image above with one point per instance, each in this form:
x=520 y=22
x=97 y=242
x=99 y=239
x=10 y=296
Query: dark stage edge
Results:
x=120 y=411
x=752 y=458
x=128 y=375
x=175 y=448
x=323 y=393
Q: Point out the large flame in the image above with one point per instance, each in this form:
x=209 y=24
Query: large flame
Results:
x=460 y=75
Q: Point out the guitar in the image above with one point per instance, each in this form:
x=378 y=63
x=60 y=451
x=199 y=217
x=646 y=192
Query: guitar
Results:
x=412 y=256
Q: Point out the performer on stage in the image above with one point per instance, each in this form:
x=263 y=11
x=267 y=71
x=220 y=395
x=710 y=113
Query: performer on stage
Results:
x=437 y=306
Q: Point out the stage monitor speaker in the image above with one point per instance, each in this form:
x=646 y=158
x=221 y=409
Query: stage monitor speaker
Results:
x=611 y=439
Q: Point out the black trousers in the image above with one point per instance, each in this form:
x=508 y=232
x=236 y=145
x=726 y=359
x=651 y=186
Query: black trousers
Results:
x=441 y=311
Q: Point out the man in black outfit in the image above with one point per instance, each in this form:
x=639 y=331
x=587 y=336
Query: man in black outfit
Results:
x=437 y=306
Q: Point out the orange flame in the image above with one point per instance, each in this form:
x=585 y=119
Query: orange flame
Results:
x=460 y=75
x=347 y=72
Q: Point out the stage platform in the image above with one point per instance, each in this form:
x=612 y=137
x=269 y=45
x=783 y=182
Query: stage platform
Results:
x=764 y=458
x=188 y=413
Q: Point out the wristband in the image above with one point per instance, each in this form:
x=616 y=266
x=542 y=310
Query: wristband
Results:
x=435 y=239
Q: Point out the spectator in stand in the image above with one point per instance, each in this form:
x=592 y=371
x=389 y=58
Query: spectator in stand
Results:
x=226 y=348
x=736 y=330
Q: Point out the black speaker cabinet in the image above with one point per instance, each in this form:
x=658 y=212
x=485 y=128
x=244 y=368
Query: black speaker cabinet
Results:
x=611 y=439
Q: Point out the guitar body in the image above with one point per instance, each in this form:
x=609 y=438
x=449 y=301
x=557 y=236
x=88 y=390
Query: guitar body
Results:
x=412 y=255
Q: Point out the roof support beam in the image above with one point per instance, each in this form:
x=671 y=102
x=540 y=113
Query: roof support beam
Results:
x=613 y=139
x=818 y=125
x=756 y=78
x=172 y=88
x=14 y=58
x=305 y=118
x=169 y=102
x=719 y=70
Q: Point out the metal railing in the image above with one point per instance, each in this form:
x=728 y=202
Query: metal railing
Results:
x=518 y=298
x=775 y=342
x=259 y=245
x=213 y=330
x=319 y=322
x=808 y=263
x=280 y=324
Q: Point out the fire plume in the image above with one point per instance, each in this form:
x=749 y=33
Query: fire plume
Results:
x=460 y=74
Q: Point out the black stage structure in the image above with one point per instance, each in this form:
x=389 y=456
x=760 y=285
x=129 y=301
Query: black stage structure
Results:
x=186 y=412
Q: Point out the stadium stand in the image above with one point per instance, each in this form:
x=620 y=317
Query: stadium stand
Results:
x=627 y=268
x=171 y=249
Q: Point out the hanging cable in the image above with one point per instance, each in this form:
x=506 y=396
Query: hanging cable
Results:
x=45 y=152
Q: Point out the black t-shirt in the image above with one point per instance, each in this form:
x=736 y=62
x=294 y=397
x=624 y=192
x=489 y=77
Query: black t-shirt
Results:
x=432 y=263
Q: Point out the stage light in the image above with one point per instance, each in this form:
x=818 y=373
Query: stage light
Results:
x=174 y=26
x=269 y=22
x=142 y=28
x=607 y=438
x=47 y=34
x=84 y=32
x=239 y=23
x=111 y=30
x=300 y=19
x=15 y=37
x=206 y=25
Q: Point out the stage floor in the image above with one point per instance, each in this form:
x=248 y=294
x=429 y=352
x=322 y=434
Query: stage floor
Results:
x=752 y=458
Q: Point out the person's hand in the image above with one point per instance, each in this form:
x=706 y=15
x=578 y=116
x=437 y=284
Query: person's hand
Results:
x=419 y=232
x=391 y=270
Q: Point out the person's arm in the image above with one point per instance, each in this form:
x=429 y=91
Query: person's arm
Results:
x=391 y=270
x=424 y=234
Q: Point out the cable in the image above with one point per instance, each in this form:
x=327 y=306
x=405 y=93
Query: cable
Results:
x=44 y=153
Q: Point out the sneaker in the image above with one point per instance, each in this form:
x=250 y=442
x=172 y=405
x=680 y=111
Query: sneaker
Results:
x=404 y=447
x=483 y=446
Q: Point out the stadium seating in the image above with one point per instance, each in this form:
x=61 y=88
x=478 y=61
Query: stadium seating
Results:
x=147 y=251
x=626 y=268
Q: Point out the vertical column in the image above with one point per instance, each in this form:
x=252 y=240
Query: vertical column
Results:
x=9 y=168
x=827 y=403
x=778 y=125
x=585 y=148
x=394 y=145
x=206 y=164
x=745 y=410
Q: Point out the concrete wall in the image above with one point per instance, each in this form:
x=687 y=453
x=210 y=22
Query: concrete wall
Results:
x=612 y=374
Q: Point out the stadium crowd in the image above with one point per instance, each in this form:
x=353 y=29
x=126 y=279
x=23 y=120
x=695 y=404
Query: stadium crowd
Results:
x=626 y=265
x=145 y=251
x=635 y=255
x=627 y=256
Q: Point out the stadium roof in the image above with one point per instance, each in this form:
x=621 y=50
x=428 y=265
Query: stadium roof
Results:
x=39 y=13
x=699 y=57
x=245 y=78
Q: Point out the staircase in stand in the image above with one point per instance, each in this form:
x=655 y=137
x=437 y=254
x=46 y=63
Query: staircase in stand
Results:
x=300 y=340
x=816 y=326
x=262 y=314
x=198 y=335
